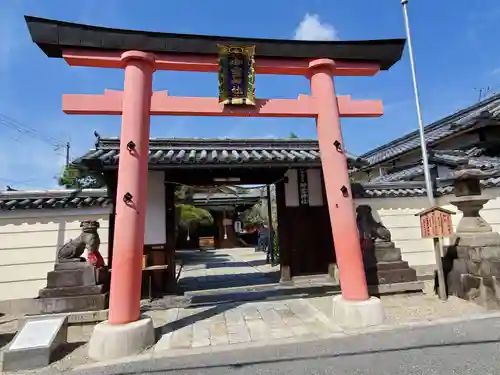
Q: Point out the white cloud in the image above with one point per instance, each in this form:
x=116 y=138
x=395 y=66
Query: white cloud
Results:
x=311 y=28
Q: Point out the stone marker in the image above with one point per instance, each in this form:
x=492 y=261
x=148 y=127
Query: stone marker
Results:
x=34 y=343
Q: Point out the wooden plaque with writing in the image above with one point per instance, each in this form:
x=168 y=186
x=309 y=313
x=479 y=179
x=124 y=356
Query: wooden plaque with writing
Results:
x=435 y=222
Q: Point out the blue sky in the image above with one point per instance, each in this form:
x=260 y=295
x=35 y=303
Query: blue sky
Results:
x=456 y=47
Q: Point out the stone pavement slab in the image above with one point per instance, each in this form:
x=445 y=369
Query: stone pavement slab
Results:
x=244 y=323
x=225 y=268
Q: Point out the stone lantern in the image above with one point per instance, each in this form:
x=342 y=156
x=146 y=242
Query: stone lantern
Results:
x=472 y=229
x=475 y=248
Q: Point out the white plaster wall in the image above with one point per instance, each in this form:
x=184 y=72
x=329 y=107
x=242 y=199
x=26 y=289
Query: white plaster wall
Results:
x=398 y=215
x=155 y=213
x=29 y=240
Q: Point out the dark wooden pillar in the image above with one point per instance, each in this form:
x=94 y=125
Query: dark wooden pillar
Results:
x=170 y=230
x=111 y=179
x=284 y=242
x=218 y=221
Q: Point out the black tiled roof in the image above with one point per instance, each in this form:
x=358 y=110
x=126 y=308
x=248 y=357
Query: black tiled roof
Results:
x=395 y=185
x=399 y=183
x=402 y=175
x=38 y=199
x=448 y=126
x=402 y=189
x=171 y=153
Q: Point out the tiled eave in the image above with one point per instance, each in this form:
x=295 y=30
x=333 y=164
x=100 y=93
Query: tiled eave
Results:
x=53 y=199
x=86 y=198
x=214 y=153
x=402 y=189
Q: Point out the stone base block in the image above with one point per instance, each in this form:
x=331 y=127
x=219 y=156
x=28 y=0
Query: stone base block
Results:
x=71 y=291
x=357 y=314
x=477 y=239
x=390 y=273
x=485 y=291
x=72 y=264
x=478 y=253
x=72 y=304
x=387 y=252
x=71 y=277
x=394 y=276
x=117 y=341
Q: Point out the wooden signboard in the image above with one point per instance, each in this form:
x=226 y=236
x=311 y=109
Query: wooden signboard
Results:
x=206 y=243
x=303 y=187
x=435 y=222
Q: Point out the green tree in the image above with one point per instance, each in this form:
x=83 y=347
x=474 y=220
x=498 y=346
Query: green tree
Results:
x=184 y=194
x=292 y=135
x=194 y=215
x=253 y=216
x=190 y=215
x=74 y=178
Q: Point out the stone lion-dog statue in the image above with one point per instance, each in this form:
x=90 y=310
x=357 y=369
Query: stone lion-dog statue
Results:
x=88 y=239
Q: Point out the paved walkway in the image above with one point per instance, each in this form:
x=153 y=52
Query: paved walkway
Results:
x=225 y=268
x=247 y=324
x=235 y=323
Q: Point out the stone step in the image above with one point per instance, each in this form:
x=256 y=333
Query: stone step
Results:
x=72 y=304
x=406 y=287
x=391 y=276
x=383 y=266
x=70 y=278
x=211 y=297
x=71 y=291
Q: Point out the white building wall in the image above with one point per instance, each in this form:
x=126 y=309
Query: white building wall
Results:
x=29 y=240
x=398 y=215
x=155 y=233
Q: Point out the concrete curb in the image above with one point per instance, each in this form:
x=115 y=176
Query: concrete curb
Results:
x=235 y=347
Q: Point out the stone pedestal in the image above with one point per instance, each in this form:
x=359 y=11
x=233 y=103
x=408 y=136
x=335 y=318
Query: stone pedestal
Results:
x=475 y=274
x=475 y=250
x=384 y=265
x=73 y=286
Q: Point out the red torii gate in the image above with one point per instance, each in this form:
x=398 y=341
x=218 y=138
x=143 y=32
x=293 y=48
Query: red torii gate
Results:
x=98 y=47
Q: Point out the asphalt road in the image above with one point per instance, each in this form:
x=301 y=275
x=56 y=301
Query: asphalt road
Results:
x=460 y=348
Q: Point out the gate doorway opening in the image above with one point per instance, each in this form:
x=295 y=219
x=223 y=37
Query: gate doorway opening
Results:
x=301 y=226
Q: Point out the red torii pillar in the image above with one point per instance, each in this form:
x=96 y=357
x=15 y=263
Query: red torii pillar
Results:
x=354 y=308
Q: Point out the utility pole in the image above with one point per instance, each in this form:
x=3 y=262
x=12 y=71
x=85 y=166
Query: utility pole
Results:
x=427 y=174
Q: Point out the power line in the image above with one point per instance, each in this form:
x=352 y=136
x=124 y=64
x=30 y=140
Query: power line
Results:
x=29 y=131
